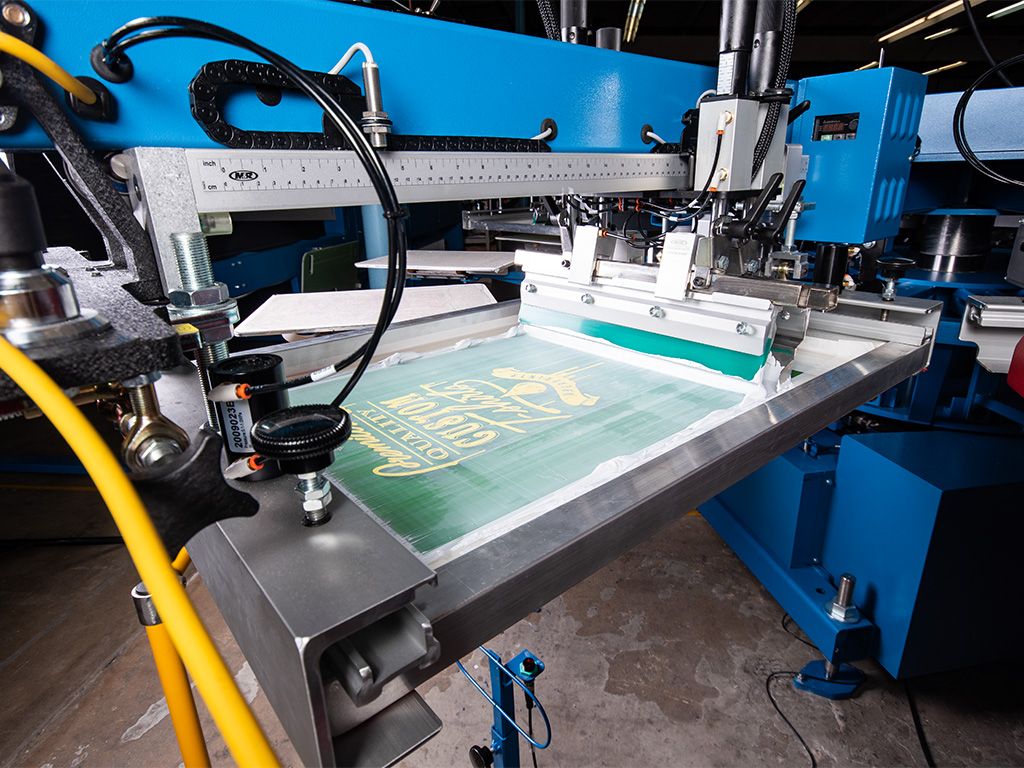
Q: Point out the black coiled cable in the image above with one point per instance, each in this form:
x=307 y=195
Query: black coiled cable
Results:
x=960 y=136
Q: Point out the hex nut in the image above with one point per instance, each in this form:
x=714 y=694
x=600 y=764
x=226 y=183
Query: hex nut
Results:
x=318 y=504
x=229 y=309
x=314 y=499
x=199 y=297
x=847 y=615
x=216 y=334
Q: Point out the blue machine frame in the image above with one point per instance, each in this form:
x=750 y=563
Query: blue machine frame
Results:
x=926 y=521
x=438 y=78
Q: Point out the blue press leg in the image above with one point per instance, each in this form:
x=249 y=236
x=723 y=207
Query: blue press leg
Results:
x=504 y=739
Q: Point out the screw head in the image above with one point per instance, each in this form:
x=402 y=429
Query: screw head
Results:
x=744 y=329
x=722 y=262
x=17 y=14
x=530 y=288
x=586 y=298
x=656 y=312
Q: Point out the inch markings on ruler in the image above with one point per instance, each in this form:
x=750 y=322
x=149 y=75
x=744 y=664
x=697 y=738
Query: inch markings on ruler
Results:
x=297 y=179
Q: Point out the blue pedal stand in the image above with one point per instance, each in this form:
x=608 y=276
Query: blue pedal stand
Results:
x=831 y=681
x=504 y=750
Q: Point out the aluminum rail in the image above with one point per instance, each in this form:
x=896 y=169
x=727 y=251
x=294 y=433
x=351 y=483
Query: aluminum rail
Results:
x=170 y=187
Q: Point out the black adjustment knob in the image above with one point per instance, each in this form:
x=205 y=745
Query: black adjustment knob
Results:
x=894 y=266
x=302 y=438
x=481 y=757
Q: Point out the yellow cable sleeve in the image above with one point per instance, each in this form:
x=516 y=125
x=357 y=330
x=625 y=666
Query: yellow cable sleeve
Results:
x=178 y=693
x=182 y=561
x=46 y=66
x=242 y=733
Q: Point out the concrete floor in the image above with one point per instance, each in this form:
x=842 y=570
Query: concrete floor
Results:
x=658 y=659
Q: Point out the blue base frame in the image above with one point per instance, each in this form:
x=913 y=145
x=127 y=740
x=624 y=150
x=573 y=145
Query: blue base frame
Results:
x=926 y=521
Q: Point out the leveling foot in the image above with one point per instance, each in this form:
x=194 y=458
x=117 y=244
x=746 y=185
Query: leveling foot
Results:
x=831 y=681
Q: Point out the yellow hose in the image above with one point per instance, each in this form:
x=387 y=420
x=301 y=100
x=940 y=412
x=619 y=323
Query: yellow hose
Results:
x=46 y=66
x=178 y=693
x=182 y=561
x=242 y=733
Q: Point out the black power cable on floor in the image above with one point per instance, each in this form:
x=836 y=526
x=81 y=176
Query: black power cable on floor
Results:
x=771 y=697
x=786 y=618
x=922 y=739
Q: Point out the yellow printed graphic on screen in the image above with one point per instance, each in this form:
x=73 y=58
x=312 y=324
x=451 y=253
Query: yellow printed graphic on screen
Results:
x=440 y=425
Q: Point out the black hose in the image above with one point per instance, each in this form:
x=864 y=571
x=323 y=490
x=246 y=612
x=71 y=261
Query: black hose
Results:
x=547 y=15
x=981 y=42
x=771 y=118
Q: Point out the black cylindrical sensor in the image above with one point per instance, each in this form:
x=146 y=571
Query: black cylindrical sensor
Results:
x=735 y=41
x=237 y=416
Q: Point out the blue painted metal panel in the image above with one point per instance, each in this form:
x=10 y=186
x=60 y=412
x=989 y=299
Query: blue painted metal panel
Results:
x=929 y=522
x=881 y=538
x=992 y=136
x=780 y=505
x=801 y=591
x=858 y=185
x=438 y=78
x=253 y=270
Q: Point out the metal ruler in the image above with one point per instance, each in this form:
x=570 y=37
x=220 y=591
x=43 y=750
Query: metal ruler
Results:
x=252 y=180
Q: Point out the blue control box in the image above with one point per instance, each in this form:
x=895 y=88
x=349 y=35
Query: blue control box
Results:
x=859 y=134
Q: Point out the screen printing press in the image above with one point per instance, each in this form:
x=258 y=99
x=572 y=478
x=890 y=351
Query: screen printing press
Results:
x=369 y=504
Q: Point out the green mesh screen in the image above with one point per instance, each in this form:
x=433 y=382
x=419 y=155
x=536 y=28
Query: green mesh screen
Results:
x=445 y=444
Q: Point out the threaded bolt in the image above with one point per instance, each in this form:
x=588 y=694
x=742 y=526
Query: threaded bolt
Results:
x=193 y=257
x=143 y=401
x=316 y=510
x=844 y=595
x=214 y=353
x=207 y=356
